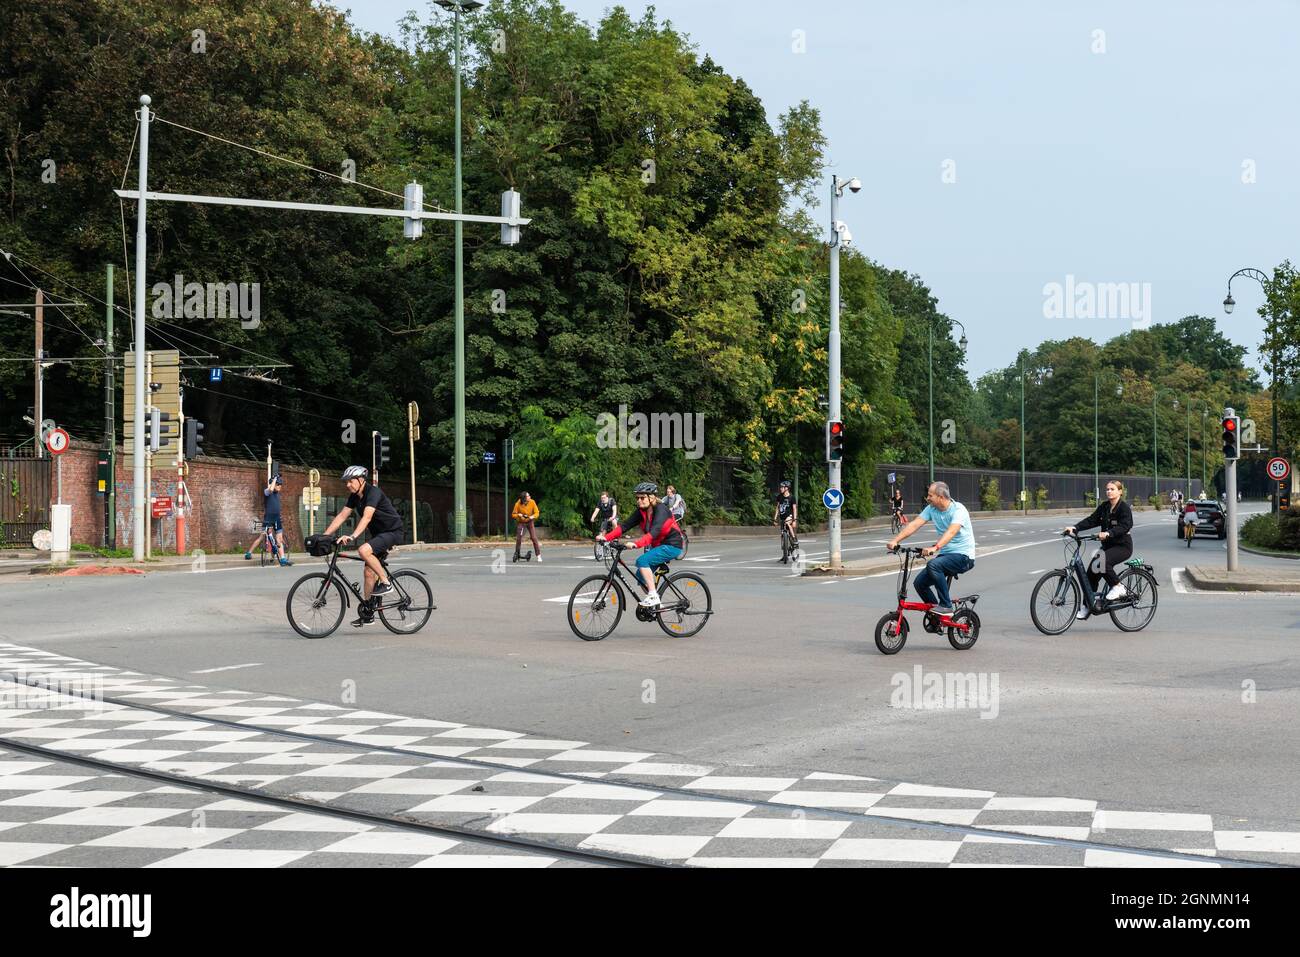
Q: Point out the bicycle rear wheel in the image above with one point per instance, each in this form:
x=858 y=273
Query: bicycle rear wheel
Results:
x=1055 y=602
x=686 y=604
x=315 y=605
x=413 y=605
x=1140 y=607
x=595 y=607
x=266 y=548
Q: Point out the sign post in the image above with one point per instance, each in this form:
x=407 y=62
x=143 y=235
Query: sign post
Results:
x=488 y=459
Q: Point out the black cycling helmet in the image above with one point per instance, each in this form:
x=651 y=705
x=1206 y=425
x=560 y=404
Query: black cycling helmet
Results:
x=646 y=488
x=785 y=483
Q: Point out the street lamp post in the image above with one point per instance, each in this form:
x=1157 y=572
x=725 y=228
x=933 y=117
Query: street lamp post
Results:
x=963 y=343
x=840 y=235
x=1096 y=430
x=458 y=7
x=1040 y=375
x=1262 y=278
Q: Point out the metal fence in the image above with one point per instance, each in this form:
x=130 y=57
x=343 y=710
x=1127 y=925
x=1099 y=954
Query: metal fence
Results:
x=1063 y=489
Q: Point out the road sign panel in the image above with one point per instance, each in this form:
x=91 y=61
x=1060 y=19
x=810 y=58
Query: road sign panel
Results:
x=489 y=457
x=57 y=441
x=162 y=505
x=1278 y=469
x=832 y=498
x=214 y=375
x=893 y=477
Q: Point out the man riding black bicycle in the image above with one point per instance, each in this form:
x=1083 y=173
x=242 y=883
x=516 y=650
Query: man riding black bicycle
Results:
x=376 y=514
x=786 y=515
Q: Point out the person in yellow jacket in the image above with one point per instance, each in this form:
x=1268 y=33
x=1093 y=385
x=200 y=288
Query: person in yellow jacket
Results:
x=525 y=514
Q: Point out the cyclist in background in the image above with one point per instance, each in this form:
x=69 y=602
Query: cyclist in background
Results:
x=676 y=504
x=1191 y=518
x=787 y=511
x=896 y=504
x=605 y=514
x=1176 y=501
x=272 y=522
x=662 y=541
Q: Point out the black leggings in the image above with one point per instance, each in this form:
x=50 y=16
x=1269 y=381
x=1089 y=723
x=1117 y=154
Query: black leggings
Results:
x=1114 y=556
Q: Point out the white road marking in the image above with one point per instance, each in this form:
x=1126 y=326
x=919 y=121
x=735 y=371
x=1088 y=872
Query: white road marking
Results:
x=208 y=671
x=1038 y=571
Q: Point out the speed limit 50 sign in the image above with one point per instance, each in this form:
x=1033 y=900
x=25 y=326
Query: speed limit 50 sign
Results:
x=1278 y=469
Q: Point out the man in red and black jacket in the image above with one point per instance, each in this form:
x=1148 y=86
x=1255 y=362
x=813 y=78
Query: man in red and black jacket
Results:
x=660 y=539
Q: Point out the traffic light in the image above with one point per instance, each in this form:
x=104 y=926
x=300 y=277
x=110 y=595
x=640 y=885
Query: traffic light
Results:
x=510 y=207
x=154 y=439
x=381 y=453
x=834 y=441
x=193 y=438
x=1231 y=437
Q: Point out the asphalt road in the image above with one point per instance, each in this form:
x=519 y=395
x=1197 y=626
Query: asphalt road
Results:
x=785 y=673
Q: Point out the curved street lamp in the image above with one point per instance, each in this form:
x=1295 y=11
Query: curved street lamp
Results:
x=1228 y=303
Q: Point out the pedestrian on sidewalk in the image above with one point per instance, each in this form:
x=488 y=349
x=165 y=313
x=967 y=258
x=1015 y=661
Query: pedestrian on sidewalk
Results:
x=272 y=522
x=525 y=515
x=1115 y=519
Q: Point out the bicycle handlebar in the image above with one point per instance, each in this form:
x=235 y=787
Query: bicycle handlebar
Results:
x=1080 y=538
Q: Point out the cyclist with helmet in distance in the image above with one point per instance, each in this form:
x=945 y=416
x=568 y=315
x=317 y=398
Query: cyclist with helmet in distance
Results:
x=376 y=514
x=787 y=512
x=661 y=539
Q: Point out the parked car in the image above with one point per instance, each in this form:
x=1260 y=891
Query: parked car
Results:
x=1213 y=521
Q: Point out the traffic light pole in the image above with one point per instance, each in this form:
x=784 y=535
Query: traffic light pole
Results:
x=1230 y=479
x=833 y=357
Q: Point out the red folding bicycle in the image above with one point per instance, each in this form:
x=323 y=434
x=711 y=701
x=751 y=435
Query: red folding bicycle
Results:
x=963 y=625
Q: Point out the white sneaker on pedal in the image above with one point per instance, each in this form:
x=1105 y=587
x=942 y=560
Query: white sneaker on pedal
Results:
x=1116 y=593
x=650 y=601
x=1083 y=615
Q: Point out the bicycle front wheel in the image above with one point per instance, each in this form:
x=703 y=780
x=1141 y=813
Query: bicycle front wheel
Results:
x=315 y=605
x=413 y=605
x=1055 y=602
x=686 y=605
x=595 y=607
x=1140 y=604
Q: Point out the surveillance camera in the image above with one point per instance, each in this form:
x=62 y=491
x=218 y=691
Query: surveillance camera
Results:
x=846 y=237
x=855 y=185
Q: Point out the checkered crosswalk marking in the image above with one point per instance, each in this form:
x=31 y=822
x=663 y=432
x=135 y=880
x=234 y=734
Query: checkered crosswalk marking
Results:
x=572 y=793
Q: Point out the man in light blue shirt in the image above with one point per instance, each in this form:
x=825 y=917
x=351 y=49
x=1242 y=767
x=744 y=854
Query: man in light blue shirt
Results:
x=954 y=552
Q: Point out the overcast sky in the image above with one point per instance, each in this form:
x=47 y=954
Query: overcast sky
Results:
x=1004 y=145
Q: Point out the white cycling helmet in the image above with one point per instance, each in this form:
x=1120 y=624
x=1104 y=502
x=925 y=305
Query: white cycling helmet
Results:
x=355 y=471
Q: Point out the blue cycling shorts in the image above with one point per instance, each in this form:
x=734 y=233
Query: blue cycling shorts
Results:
x=658 y=556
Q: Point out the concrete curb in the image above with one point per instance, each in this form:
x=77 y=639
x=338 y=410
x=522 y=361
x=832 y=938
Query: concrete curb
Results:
x=1264 y=554
x=1213 y=580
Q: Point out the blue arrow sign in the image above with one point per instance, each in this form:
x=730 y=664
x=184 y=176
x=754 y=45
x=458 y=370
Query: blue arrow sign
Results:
x=832 y=498
x=489 y=457
x=214 y=375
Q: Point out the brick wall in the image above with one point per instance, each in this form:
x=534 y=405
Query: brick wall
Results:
x=227 y=498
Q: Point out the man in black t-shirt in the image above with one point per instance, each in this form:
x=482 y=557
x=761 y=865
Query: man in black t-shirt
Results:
x=605 y=515
x=375 y=513
x=787 y=513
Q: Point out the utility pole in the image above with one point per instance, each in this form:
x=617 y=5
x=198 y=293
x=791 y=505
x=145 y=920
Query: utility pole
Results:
x=138 y=491
x=413 y=433
x=148 y=467
x=840 y=236
x=40 y=385
x=110 y=424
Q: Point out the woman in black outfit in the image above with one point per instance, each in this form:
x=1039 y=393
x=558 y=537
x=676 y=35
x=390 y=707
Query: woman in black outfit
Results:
x=1115 y=518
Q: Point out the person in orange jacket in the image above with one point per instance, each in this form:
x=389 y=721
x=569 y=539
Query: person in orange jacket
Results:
x=525 y=514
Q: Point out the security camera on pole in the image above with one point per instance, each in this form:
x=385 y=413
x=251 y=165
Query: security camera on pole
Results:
x=839 y=236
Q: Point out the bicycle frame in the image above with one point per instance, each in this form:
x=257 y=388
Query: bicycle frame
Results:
x=1077 y=567
x=616 y=569
x=354 y=588
x=905 y=576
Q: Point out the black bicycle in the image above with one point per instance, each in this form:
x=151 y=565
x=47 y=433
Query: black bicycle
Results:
x=789 y=544
x=1059 y=594
x=896 y=521
x=596 y=605
x=318 y=601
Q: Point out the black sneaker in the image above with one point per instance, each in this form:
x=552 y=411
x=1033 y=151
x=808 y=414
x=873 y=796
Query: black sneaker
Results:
x=365 y=618
x=381 y=588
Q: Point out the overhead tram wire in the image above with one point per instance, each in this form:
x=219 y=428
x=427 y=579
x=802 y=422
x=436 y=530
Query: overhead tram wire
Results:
x=269 y=405
x=285 y=159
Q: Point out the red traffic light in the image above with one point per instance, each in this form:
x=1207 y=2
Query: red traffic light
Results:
x=837 y=428
x=1230 y=424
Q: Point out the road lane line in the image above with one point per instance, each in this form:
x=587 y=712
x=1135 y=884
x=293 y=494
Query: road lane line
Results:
x=208 y=671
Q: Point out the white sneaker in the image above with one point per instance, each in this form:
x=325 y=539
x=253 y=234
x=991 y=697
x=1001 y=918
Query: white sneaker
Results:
x=539 y=558
x=650 y=601
x=1083 y=615
x=1116 y=593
